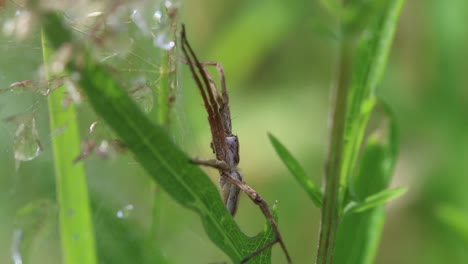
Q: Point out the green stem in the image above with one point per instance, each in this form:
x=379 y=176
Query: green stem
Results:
x=165 y=95
x=332 y=196
x=165 y=87
x=76 y=228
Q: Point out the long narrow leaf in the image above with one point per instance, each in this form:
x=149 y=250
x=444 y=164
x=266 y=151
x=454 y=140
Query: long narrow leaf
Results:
x=297 y=171
x=76 y=228
x=359 y=234
x=375 y=200
x=156 y=152
x=370 y=61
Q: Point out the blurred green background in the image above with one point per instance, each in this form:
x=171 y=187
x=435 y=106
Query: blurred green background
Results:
x=279 y=62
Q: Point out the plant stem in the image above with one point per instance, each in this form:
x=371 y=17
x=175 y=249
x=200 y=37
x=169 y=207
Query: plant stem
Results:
x=166 y=86
x=332 y=195
x=76 y=228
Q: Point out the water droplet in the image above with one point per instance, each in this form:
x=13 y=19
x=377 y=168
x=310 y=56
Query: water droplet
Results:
x=93 y=126
x=95 y=14
x=171 y=4
x=143 y=95
x=139 y=20
x=163 y=41
x=158 y=16
x=125 y=211
x=158 y=24
x=20 y=26
x=16 y=246
x=103 y=148
x=27 y=146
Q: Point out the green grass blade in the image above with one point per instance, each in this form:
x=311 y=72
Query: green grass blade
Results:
x=374 y=200
x=371 y=57
x=76 y=228
x=155 y=151
x=297 y=171
x=359 y=234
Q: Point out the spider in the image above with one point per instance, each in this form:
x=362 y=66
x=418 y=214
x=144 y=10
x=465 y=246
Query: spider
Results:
x=225 y=145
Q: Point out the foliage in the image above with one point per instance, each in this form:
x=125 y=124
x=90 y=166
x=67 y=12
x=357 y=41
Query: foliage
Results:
x=153 y=148
x=280 y=59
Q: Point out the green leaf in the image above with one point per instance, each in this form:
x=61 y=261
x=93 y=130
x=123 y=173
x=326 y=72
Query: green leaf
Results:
x=359 y=234
x=374 y=200
x=297 y=171
x=157 y=154
x=76 y=228
x=370 y=60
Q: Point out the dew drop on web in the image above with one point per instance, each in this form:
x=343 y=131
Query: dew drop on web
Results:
x=125 y=211
x=157 y=25
x=163 y=40
x=92 y=127
x=140 y=21
x=27 y=146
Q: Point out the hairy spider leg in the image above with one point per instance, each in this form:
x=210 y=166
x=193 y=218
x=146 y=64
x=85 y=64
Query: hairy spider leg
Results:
x=217 y=128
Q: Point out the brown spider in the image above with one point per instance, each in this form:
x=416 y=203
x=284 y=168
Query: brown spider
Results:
x=225 y=145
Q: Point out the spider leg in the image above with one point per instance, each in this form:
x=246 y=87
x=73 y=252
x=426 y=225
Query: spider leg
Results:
x=258 y=200
x=213 y=163
x=223 y=99
x=214 y=118
x=211 y=80
x=222 y=79
x=230 y=191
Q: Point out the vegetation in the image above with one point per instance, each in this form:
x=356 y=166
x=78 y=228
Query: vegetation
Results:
x=278 y=71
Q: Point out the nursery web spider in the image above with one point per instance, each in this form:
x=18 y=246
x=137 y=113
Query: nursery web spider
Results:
x=225 y=145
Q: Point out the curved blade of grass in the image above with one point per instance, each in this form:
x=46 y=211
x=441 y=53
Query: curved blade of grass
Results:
x=374 y=200
x=297 y=171
x=76 y=228
x=359 y=234
x=156 y=152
